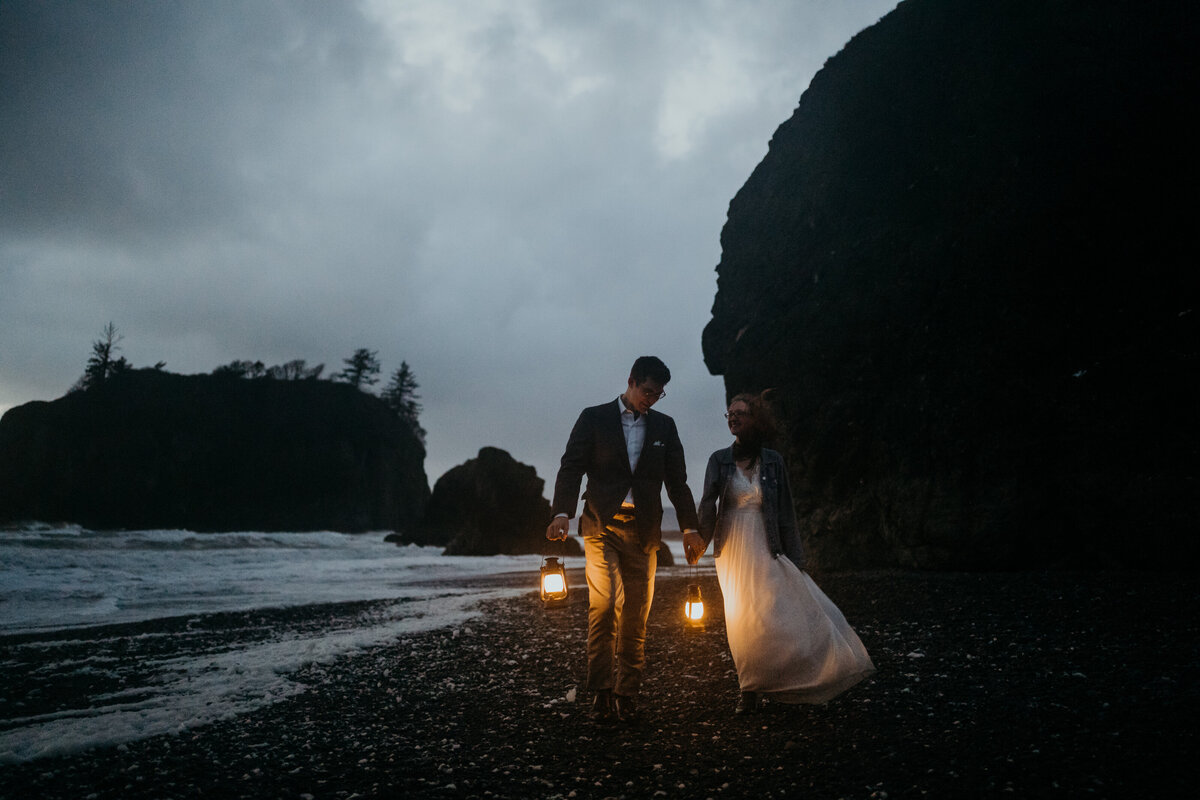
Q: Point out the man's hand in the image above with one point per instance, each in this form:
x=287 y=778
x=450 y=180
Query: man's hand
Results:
x=693 y=546
x=558 y=528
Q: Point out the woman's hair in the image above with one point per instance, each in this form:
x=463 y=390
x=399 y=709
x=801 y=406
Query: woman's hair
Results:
x=762 y=420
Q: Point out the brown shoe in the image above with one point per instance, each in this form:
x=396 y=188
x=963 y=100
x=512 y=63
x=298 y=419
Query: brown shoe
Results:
x=602 y=706
x=627 y=710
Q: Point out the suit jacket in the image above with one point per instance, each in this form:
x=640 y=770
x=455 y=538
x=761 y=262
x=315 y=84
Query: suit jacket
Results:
x=597 y=449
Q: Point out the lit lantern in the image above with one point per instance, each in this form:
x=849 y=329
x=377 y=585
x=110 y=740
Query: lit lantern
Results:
x=554 y=582
x=693 y=609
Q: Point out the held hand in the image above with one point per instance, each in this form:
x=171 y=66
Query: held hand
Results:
x=558 y=528
x=693 y=546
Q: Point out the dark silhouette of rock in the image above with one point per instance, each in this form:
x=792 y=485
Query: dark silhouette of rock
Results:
x=489 y=505
x=151 y=449
x=968 y=265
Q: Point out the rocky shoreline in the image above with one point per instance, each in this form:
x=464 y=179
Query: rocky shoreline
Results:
x=988 y=685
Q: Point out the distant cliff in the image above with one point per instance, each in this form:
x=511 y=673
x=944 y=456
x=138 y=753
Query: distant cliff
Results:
x=151 y=449
x=969 y=265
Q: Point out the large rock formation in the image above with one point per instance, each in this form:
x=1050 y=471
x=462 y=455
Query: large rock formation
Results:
x=491 y=504
x=151 y=449
x=968 y=264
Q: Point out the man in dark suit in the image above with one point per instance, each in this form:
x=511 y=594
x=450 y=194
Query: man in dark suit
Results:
x=628 y=453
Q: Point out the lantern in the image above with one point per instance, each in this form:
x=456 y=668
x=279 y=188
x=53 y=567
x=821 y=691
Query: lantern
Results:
x=693 y=609
x=554 y=582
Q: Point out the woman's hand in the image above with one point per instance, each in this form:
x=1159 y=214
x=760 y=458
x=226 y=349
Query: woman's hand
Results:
x=693 y=546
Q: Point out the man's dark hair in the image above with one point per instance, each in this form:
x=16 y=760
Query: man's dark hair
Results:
x=650 y=367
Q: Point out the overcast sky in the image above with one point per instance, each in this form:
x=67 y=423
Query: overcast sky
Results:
x=517 y=198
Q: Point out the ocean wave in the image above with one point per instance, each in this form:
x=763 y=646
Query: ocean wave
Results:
x=38 y=536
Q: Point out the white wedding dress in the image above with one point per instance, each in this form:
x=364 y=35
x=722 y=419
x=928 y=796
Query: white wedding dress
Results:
x=788 y=640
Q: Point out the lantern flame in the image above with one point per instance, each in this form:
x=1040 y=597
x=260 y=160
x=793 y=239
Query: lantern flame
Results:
x=693 y=609
x=554 y=582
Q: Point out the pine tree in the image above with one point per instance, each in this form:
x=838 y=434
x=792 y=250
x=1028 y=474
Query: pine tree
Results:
x=361 y=369
x=401 y=396
x=103 y=363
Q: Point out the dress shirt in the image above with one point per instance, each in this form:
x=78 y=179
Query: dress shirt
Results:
x=634 y=427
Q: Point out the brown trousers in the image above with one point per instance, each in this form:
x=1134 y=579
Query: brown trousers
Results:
x=620 y=578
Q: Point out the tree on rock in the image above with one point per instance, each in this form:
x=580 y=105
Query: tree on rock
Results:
x=295 y=370
x=401 y=396
x=361 y=369
x=241 y=369
x=103 y=363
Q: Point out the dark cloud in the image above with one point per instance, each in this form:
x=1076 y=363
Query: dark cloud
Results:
x=516 y=199
x=148 y=119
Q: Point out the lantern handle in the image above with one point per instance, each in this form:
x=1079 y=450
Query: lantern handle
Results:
x=562 y=554
x=562 y=548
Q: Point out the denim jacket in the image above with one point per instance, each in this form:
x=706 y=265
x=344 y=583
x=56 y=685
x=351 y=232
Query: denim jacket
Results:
x=779 y=516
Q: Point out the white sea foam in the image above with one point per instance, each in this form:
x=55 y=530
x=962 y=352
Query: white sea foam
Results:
x=70 y=580
x=189 y=690
x=67 y=577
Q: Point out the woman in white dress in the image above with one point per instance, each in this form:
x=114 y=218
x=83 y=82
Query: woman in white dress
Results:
x=789 y=642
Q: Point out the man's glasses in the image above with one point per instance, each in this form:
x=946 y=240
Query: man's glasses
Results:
x=650 y=394
x=736 y=414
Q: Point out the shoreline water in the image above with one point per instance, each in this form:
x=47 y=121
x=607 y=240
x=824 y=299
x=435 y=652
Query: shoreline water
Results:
x=65 y=577
x=989 y=685
x=75 y=689
x=185 y=645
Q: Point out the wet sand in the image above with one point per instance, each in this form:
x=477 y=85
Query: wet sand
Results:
x=988 y=685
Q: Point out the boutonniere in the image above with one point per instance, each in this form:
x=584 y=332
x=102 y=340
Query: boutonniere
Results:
x=658 y=444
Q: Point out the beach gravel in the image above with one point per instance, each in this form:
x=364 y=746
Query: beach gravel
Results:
x=988 y=685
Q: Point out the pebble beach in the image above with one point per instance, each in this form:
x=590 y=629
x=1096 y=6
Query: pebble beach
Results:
x=988 y=685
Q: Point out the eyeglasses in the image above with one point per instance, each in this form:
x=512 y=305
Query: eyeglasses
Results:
x=650 y=394
x=736 y=414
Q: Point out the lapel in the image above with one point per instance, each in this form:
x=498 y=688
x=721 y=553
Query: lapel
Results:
x=616 y=429
x=651 y=435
